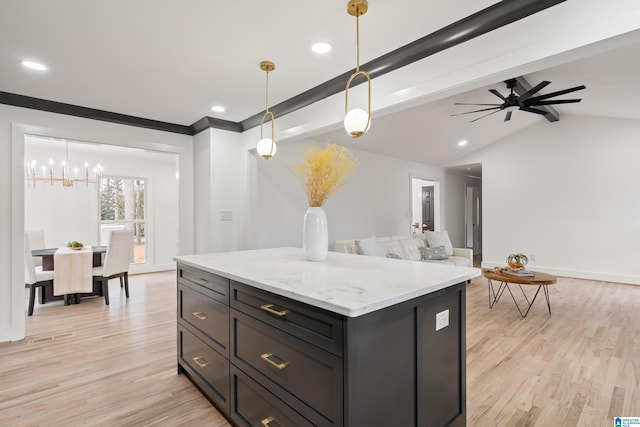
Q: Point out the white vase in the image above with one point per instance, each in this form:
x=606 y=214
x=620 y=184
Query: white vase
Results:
x=315 y=238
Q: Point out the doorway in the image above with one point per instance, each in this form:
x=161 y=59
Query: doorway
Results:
x=428 y=223
x=473 y=218
x=425 y=205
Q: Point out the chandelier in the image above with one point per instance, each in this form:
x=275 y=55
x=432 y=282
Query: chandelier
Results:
x=68 y=177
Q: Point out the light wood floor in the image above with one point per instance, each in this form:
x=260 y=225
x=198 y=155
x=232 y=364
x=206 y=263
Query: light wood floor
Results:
x=92 y=365
x=105 y=366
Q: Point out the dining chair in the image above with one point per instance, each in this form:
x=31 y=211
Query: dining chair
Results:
x=34 y=277
x=116 y=262
x=36 y=241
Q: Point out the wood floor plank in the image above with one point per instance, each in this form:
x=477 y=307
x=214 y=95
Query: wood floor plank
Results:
x=96 y=365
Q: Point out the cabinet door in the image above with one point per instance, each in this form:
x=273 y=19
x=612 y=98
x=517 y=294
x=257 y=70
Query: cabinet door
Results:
x=217 y=287
x=253 y=405
x=207 y=315
x=306 y=377
x=207 y=368
x=316 y=326
x=441 y=364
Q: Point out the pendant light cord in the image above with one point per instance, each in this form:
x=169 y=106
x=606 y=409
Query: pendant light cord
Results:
x=358 y=41
x=267 y=94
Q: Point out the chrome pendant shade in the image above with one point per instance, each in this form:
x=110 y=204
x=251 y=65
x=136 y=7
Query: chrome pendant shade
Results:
x=357 y=121
x=267 y=146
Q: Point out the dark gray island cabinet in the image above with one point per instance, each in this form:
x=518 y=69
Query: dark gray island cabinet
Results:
x=273 y=340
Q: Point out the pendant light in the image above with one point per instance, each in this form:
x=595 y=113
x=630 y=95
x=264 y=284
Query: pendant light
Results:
x=357 y=121
x=267 y=146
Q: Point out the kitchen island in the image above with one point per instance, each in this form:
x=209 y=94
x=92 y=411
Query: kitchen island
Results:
x=274 y=340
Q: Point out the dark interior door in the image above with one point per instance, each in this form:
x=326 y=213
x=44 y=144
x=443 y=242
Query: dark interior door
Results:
x=427 y=208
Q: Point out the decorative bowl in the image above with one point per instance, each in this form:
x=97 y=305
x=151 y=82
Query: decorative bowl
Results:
x=517 y=261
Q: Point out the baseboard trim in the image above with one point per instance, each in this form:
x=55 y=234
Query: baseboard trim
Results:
x=155 y=268
x=578 y=274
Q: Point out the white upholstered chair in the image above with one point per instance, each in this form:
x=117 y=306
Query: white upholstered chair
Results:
x=34 y=276
x=116 y=262
x=36 y=241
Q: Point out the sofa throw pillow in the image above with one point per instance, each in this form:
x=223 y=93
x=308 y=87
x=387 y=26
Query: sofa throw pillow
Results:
x=371 y=247
x=391 y=246
x=435 y=253
x=410 y=249
x=439 y=238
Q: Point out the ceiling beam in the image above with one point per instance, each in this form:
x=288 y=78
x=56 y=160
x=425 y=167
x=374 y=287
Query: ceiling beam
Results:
x=551 y=113
x=498 y=15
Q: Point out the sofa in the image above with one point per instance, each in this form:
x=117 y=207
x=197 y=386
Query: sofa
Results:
x=434 y=247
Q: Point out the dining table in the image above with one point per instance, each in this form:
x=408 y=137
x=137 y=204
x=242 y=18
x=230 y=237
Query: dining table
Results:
x=48 y=256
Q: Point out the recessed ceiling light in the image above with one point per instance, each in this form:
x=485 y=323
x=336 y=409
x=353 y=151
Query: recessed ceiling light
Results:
x=34 y=65
x=462 y=143
x=218 y=109
x=321 y=47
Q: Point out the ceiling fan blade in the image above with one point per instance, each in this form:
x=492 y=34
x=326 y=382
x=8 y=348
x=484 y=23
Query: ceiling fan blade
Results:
x=481 y=117
x=496 y=93
x=464 y=103
x=508 y=116
x=552 y=94
x=533 y=110
x=533 y=90
x=476 y=111
x=552 y=102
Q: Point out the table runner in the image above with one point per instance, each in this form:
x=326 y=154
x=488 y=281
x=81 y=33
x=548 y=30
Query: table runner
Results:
x=73 y=271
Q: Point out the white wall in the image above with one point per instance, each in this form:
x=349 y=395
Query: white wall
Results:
x=220 y=164
x=14 y=124
x=72 y=214
x=375 y=200
x=566 y=192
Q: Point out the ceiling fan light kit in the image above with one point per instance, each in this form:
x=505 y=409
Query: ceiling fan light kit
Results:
x=267 y=146
x=357 y=121
x=524 y=102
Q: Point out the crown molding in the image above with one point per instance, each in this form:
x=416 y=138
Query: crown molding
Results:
x=90 y=113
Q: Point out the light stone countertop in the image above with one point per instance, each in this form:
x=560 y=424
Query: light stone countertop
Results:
x=351 y=285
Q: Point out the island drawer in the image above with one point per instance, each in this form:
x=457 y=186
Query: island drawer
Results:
x=216 y=287
x=207 y=315
x=302 y=371
x=253 y=405
x=208 y=369
x=311 y=324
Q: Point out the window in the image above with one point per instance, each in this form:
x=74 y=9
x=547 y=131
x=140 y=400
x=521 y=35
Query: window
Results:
x=122 y=206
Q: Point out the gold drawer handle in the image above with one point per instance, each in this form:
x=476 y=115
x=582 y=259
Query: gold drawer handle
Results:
x=200 y=315
x=267 y=420
x=267 y=358
x=200 y=361
x=199 y=281
x=268 y=308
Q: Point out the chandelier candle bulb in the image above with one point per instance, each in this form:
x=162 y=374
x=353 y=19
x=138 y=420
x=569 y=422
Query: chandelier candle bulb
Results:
x=66 y=178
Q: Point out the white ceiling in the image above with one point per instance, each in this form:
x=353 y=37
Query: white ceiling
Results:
x=171 y=61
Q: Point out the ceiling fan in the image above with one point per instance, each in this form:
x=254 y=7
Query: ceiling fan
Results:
x=524 y=102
